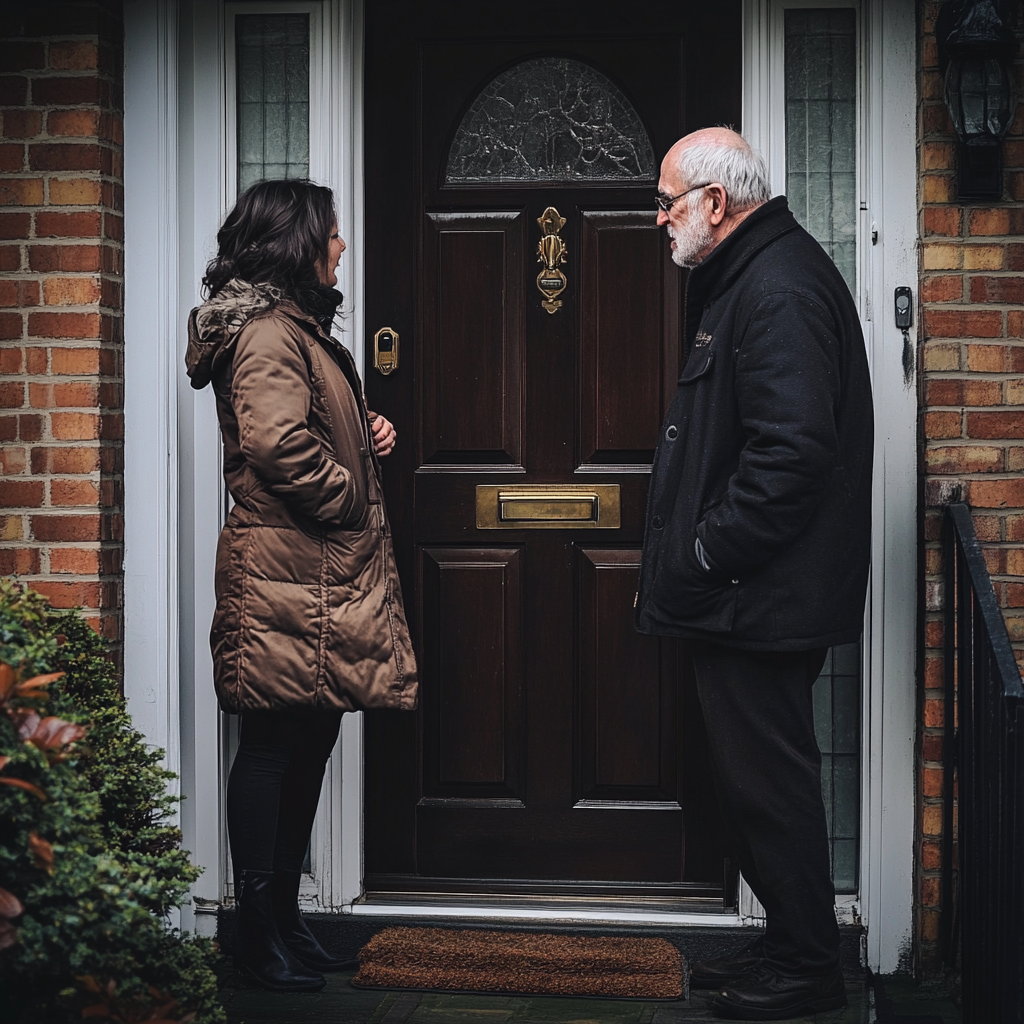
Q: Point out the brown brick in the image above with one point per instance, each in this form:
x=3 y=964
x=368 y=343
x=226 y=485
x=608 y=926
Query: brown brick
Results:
x=21 y=56
x=63 y=92
x=13 y=90
x=983 y=257
x=48 y=258
x=80 y=124
x=73 y=492
x=76 y=361
x=80 y=594
x=12 y=156
x=64 y=325
x=80 y=561
x=933 y=668
x=15 y=225
x=35 y=360
x=75 y=192
x=8 y=428
x=70 y=291
x=931 y=853
x=19 y=561
x=995 y=425
x=941 y=257
x=75 y=426
x=1015 y=323
x=983 y=392
x=22 y=493
x=997 y=289
x=930 y=892
x=997 y=493
x=933 y=714
x=988 y=358
x=79 y=394
x=933 y=632
x=957 y=459
x=1015 y=563
x=30 y=427
x=70 y=156
x=66 y=527
x=931 y=782
x=11 y=325
x=1015 y=459
x=22 y=124
x=946 y=288
x=995 y=561
x=10 y=258
x=65 y=460
x=74 y=56
x=938 y=188
x=935 y=118
x=937 y=156
x=12 y=359
x=86 y=224
x=968 y=323
x=1013 y=153
x=942 y=425
x=989 y=222
x=12 y=394
x=931 y=748
x=21 y=192
x=13 y=461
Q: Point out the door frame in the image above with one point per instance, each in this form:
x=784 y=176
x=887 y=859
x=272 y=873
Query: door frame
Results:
x=175 y=145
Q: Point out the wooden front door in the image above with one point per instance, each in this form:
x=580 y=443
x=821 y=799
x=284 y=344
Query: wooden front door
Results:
x=554 y=746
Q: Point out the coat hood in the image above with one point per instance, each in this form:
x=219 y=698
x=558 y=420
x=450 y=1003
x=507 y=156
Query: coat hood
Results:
x=213 y=326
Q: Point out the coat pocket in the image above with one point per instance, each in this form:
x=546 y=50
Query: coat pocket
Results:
x=698 y=365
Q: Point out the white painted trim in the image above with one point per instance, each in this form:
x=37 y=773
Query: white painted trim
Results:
x=151 y=656
x=486 y=912
x=887 y=181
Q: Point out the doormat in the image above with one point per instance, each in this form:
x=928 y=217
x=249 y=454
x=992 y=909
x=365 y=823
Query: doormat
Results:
x=521 y=963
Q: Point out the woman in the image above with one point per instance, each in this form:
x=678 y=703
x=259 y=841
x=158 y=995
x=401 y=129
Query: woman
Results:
x=309 y=621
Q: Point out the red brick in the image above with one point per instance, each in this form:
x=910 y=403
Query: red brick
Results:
x=65 y=460
x=68 y=258
x=69 y=595
x=30 y=427
x=21 y=192
x=75 y=426
x=930 y=892
x=12 y=359
x=997 y=289
x=35 y=360
x=1015 y=323
x=63 y=92
x=947 y=288
x=73 y=492
x=80 y=561
x=988 y=358
x=76 y=192
x=19 y=293
x=21 y=56
x=995 y=425
x=76 y=361
x=996 y=493
x=12 y=325
x=942 y=220
x=933 y=713
x=10 y=258
x=931 y=782
x=113 y=227
x=983 y=392
x=12 y=156
x=989 y=222
x=68 y=225
x=13 y=90
x=75 y=395
x=958 y=459
x=19 y=561
x=15 y=225
x=112 y=426
x=81 y=124
x=933 y=632
x=1015 y=256
x=64 y=325
x=931 y=748
x=968 y=323
x=70 y=291
x=66 y=527
x=939 y=425
x=74 y=56
x=8 y=428
x=22 y=124
x=13 y=461
x=69 y=156
x=931 y=853
x=22 y=493
x=12 y=394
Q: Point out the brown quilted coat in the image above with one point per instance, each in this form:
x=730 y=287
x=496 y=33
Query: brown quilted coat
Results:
x=309 y=608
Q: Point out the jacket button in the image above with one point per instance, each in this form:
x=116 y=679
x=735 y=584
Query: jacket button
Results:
x=735 y=581
x=671 y=433
x=657 y=522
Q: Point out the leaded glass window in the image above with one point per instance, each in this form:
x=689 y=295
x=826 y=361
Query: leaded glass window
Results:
x=550 y=119
x=272 y=62
x=821 y=129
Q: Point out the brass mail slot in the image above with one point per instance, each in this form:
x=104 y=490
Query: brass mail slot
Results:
x=547 y=507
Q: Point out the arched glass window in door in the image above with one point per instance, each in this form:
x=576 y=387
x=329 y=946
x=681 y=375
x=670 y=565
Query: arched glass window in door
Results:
x=550 y=119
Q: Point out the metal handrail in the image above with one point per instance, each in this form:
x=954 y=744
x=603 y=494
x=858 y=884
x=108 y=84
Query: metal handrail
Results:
x=983 y=786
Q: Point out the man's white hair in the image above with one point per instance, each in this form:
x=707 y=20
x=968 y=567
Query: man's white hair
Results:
x=740 y=168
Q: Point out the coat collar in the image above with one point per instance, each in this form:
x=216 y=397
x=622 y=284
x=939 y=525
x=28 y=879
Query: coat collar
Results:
x=726 y=262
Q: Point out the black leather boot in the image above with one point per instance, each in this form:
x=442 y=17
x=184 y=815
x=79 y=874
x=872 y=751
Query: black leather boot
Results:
x=764 y=994
x=294 y=930
x=724 y=969
x=260 y=952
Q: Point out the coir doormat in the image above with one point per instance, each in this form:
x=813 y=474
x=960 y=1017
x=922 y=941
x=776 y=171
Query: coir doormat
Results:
x=521 y=963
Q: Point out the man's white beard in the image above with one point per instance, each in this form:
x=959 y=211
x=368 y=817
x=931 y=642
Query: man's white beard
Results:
x=693 y=242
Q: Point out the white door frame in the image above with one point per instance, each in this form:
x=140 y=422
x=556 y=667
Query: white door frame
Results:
x=176 y=187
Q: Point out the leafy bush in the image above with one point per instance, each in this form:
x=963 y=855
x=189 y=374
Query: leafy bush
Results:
x=90 y=863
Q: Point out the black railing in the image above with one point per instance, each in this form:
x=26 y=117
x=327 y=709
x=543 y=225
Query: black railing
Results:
x=983 y=858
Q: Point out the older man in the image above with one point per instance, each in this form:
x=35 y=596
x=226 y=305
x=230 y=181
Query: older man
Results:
x=757 y=539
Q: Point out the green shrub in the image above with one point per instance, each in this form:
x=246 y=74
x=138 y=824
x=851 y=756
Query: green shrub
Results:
x=88 y=850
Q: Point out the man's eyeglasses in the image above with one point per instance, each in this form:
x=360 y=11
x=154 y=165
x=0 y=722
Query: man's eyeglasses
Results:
x=665 y=202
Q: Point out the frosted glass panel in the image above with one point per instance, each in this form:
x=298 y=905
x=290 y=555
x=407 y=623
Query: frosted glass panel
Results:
x=272 y=58
x=821 y=129
x=837 y=727
x=550 y=119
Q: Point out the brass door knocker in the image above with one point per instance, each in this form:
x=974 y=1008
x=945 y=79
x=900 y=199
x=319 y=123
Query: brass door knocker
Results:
x=551 y=251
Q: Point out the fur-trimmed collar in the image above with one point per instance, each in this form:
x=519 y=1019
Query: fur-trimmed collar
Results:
x=235 y=304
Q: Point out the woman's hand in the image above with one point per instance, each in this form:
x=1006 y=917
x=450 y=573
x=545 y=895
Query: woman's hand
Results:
x=384 y=435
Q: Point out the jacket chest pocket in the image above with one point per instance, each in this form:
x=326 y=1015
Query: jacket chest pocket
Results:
x=698 y=365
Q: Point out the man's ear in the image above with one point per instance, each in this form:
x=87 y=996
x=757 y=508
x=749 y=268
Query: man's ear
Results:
x=719 y=200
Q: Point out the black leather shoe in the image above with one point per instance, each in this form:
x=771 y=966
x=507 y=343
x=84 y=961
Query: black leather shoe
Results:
x=763 y=994
x=260 y=951
x=724 y=969
x=293 y=929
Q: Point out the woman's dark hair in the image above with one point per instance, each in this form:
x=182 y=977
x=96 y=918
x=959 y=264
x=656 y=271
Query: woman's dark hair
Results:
x=278 y=233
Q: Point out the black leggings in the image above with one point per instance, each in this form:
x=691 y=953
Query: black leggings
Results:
x=274 y=786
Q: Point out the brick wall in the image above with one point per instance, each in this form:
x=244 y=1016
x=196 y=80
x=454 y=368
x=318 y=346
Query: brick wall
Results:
x=972 y=414
x=61 y=266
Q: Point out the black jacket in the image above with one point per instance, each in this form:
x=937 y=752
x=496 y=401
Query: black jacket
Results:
x=765 y=454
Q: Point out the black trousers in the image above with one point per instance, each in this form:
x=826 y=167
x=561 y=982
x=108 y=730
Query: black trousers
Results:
x=274 y=786
x=767 y=769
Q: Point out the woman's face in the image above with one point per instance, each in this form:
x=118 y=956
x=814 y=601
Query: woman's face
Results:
x=335 y=248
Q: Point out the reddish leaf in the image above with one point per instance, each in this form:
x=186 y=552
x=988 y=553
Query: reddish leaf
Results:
x=8 y=680
x=51 y=735
x=10 y=905
x=33 y=688
x=3 y=761
x=8 y=935
x=42 y=852
x=22 y=784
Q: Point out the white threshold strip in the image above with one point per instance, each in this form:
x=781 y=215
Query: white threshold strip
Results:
x=561 y=915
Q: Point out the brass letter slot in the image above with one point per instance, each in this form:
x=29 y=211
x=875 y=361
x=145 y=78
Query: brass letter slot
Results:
x=547 y=507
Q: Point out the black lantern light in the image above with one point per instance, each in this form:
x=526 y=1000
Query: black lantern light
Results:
x=977 y=47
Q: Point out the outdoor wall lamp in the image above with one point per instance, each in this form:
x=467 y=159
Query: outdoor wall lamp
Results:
x=976 y=48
